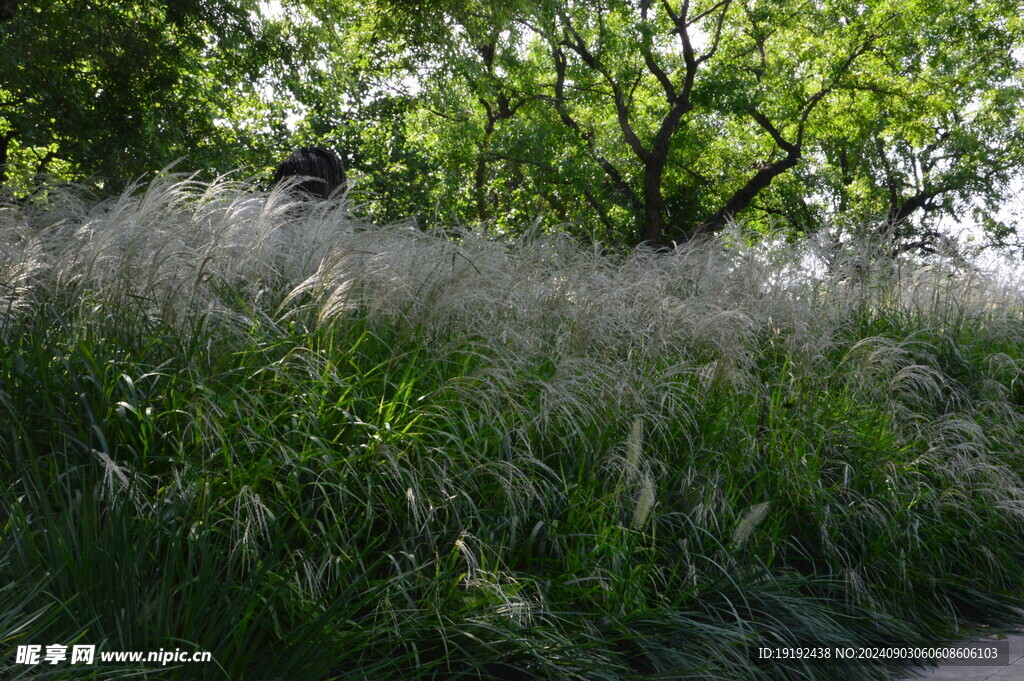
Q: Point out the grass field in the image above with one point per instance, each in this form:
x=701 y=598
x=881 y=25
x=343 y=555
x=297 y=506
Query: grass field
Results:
x=324 y=450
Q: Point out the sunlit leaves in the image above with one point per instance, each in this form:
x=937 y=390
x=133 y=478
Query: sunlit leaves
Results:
x=121 y=88
x=496 y=113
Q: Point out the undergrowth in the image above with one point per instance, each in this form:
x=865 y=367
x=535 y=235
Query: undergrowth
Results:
x=321 y=450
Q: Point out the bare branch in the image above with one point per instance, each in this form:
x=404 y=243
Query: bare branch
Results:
x=766 y=172
x=745 y=194
x=447 y=117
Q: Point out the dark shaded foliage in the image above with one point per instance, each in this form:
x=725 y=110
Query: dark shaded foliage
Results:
x=320 y=168
x=8 y=9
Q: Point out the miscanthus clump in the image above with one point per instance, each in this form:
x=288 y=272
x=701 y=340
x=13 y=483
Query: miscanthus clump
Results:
x=432 y=453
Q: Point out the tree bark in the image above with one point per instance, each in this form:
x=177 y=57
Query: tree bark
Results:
x=654 y=206
x=5 y=145
x=480 y=176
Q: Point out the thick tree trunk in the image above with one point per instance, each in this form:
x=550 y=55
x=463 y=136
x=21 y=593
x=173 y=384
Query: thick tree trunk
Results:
x=654 y=172
x=654 y=206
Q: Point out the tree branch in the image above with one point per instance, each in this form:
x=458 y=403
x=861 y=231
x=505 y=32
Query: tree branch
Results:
x=745 y=194
x=724 y=4
x=649 y=60
x=718 y=31
x=575 y=42
x=586 y=136
x=781 y=141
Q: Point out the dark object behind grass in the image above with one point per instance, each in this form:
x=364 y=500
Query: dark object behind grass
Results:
x=320 y=168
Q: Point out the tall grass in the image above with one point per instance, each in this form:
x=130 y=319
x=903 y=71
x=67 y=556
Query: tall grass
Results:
x=322 y=449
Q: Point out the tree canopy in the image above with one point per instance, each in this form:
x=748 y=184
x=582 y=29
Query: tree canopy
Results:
x=619 y=120
x=115 y=89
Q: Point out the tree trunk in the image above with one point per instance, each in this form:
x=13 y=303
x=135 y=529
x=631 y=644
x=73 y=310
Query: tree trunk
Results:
x=5 y=143
x=480 y=190
x=654 y=206
x=8 y=8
